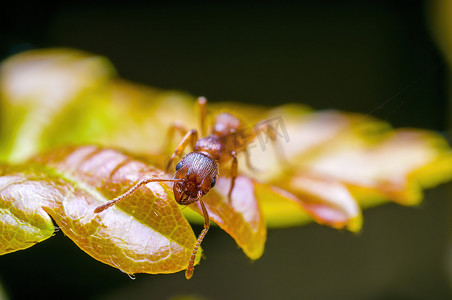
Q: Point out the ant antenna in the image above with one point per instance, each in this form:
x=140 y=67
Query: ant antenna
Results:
x=143 y=181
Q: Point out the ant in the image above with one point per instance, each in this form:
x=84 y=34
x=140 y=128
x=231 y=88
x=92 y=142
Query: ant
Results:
x=198 y=170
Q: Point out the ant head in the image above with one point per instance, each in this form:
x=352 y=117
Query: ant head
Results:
x=197 y=173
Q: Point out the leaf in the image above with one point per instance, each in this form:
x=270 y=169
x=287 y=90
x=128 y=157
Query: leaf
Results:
x=23 y=192
x=300 y=133
x=39 y=85
x=144 y=233
x=63 y=96
x=281 y=208
x=391 y=166
x=114 y=113
x=326 y=200
x=240 y=217
x=306 y=197
x=360 y=158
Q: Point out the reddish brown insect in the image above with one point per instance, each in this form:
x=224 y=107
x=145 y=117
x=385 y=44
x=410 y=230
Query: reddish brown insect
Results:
x=198 y=170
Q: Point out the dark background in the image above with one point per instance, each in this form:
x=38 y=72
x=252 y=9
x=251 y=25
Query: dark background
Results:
x=373 y=57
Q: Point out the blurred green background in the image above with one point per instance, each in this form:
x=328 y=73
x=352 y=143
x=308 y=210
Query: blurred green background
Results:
x=372 y=57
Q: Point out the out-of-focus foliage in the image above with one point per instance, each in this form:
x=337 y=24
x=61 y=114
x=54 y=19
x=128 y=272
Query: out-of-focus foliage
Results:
x=3 y=294
x=322 y=166
x=441 y=26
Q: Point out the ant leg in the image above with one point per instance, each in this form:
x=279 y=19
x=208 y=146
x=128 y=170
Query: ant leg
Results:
x=190 y=268
x=190 y=137
x=174 y=127
x=143 y=181
x=202 y=104
x=234 y=170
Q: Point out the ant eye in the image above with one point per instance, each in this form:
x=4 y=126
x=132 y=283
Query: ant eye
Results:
x=212 y=184
x=178 y=166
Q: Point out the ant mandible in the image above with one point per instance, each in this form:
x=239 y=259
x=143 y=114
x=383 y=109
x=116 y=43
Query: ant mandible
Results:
x=198 y=170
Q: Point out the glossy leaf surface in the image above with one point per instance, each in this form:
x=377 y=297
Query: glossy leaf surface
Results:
x=144 y=233
x=356 y=159
x=24 y=191
x=241 y=216
x=322 y=167
x=326 y=200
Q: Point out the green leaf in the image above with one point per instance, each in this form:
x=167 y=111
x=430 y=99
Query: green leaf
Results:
x=38 y=86
x=241 y=216
x=365 y=157
x=23 y=193
x=144 y=233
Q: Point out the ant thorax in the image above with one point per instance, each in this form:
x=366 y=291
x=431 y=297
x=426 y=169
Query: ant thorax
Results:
x=212 y=145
